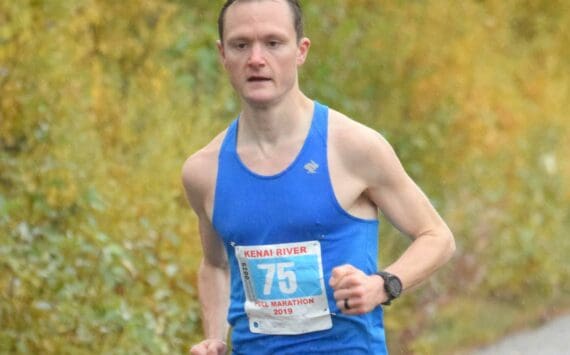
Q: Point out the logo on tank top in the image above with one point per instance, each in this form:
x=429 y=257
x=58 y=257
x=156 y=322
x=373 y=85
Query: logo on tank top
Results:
x=311 y=167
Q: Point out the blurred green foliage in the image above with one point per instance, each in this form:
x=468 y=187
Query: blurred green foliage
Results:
x=101 y=102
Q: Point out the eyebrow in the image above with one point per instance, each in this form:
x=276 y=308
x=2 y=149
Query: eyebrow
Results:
x=244 y=33
x=241 y=37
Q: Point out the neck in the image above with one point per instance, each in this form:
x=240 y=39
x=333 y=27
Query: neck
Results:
x=271 y=123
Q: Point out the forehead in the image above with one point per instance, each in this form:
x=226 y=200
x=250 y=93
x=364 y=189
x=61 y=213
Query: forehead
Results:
x=245 y=18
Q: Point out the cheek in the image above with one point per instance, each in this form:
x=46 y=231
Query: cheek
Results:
x=231 y=62
x=232 y=69
x=288 y=63
x=229 y=65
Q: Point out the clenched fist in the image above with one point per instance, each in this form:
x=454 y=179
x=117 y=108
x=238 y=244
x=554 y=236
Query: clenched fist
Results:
x=354 y=291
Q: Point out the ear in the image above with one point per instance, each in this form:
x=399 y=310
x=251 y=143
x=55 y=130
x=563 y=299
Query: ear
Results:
x=221 y=52
x=303 y=50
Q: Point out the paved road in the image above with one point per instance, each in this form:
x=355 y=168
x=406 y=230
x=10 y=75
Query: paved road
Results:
x=552 y=338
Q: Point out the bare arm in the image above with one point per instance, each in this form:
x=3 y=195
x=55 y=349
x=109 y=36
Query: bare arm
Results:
x=213 y=275
x=409 y=210
x=374 y=166
x=213 y=288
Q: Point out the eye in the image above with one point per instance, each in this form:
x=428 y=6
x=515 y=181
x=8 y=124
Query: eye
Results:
x=240 y=45
x=273 y=43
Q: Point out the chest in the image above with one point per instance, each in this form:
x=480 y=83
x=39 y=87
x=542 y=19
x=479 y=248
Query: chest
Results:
x=293 y=205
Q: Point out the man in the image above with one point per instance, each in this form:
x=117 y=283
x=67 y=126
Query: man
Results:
x=287 y=200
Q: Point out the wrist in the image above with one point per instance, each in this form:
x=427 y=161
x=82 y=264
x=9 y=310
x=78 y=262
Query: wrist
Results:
x=216 y=339
x=380 y=291
x=392 y=287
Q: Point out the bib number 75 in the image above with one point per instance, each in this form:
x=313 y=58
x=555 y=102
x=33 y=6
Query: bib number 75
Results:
x=287 y=280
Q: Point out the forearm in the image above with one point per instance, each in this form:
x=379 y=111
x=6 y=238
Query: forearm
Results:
x=426 y=254
x=213 y=291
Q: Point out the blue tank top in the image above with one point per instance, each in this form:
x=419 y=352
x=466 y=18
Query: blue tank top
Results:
x=297 y=205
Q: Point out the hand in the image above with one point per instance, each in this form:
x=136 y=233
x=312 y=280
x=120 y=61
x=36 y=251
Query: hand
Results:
x=209 y=347
x=352 y=287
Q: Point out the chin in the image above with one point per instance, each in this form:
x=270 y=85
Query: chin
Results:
x=260 y=100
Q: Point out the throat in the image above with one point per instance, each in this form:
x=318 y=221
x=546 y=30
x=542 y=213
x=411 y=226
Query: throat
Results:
x=269 y=159
x=269 y=140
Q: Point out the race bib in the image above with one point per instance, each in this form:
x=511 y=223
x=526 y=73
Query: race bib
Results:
x=284 y=288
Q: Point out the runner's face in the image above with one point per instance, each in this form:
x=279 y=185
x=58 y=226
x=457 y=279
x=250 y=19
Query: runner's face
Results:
x=260 y=50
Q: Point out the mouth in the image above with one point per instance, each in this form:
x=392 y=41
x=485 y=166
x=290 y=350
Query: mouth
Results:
x=257 y=79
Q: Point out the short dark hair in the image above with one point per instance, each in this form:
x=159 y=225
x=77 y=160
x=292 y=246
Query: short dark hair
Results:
x=294 y=5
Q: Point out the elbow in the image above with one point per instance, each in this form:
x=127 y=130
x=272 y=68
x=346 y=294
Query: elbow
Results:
x=444 y=243
x=449 y=246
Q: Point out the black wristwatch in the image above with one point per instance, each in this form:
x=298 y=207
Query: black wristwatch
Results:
x=392 y=285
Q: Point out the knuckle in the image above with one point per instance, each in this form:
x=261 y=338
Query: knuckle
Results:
x=359 y=291
x=349 y=279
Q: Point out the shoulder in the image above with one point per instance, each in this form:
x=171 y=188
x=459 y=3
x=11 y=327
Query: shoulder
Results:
x=356 y=145
x=199 y=172
x=363 y=152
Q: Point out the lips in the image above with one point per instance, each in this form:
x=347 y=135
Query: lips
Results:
x=256 y=78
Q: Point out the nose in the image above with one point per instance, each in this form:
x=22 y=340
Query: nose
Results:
x=256 y=56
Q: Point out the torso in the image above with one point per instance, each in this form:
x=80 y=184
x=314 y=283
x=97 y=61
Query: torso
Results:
x=290 y=204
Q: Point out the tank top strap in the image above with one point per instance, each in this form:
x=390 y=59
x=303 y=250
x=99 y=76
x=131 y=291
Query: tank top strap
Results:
x=229 y=142
x=320 y=124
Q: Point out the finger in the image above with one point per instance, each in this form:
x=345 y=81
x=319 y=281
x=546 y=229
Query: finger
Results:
x=221 y=348
x=341 y=294
x=349 y=281
x=340 y=305
x=207 y=347
x=216 y=347
x=352 y=305
x=213 y=348
x=339 y=272
x=198 y=349
x=343 y=270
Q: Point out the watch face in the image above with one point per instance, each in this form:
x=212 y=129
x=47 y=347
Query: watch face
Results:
x=394 y=286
